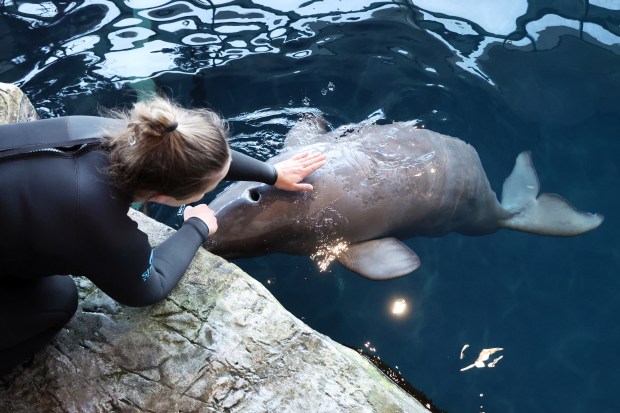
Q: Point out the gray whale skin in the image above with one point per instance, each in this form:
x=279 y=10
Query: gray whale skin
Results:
x=382 y=183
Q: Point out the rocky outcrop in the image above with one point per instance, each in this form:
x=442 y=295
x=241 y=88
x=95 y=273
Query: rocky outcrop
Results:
x=220 y=342
x=14 y=105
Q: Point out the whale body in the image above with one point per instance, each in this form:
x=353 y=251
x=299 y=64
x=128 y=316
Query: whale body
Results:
x=383 y=183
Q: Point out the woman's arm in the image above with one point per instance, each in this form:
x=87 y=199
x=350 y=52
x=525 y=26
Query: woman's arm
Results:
x=284 y=175
x=134 y=274
x=246 y=168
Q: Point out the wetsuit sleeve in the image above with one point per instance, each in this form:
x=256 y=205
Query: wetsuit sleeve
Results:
x=246 y=168
x=136 y=275
x=170 y=260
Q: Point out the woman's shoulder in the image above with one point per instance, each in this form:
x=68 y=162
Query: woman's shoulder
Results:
x=97 y=195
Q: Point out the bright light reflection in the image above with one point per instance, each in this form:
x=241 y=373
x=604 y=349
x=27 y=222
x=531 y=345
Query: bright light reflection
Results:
x=399 y=307
x=328 y=253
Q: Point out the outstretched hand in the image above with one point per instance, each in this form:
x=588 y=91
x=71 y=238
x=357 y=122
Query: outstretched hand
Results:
x=292 y=171
x=204 y=213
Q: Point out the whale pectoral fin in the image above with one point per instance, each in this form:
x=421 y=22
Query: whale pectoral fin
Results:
x=381 y=259
x=304 y=131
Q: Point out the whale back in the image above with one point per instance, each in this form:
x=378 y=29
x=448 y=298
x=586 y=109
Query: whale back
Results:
x=379 y=180
x=382 y=183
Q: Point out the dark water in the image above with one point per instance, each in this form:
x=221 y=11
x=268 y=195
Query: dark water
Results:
x=503 y=75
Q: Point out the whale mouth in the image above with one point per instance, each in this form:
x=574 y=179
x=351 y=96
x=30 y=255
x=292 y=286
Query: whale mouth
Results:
x=225 y=249
x=227 y=253
x=210 y=244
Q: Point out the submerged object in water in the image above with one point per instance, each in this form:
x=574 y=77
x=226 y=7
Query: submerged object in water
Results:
x=382 y=183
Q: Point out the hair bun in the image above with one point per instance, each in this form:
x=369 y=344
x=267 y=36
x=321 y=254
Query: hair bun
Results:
x=172 y=127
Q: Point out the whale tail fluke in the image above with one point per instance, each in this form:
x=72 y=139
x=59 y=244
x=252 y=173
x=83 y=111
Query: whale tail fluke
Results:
x=547 y=214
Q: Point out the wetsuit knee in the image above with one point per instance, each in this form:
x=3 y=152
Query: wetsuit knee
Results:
x=66 y=297
x=32 y=312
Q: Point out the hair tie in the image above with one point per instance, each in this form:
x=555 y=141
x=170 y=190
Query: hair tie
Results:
x=173 y=126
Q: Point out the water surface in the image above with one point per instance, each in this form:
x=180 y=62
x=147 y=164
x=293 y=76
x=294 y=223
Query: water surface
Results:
x=505 y=76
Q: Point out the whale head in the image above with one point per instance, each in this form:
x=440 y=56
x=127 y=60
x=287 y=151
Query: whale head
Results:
x=257 y=219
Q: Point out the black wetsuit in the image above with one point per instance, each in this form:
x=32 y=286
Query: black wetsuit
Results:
x=60 y=215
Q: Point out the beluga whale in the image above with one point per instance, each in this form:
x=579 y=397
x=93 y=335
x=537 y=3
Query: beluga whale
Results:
x=383 y=184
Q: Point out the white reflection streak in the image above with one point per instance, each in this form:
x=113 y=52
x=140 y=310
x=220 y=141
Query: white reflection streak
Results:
x=484 y=356
x=127 y=22
x=494 y=16
x=238 y=28
x=130 y=64
x=185 y=24
x=80 y=44
x=205 y=15
x=240 y=15
x=494 y=362
x=599 y=33
x=551 y=21
x=119 y=42
x=606 y=4
x=44 y=9
x=465 y=347
x=316 y=7
x=468 y=63
x=144 y=4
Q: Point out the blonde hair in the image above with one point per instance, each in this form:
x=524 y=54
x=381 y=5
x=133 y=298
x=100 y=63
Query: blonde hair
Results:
x=167 y=149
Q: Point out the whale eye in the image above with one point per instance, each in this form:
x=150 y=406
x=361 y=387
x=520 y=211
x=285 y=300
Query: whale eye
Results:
x=254 y=195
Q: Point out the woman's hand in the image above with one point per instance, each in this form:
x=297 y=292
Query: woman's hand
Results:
x=204 y=213
x=294 y=170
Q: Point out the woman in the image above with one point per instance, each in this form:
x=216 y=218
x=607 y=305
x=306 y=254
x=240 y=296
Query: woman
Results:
x=65 y=202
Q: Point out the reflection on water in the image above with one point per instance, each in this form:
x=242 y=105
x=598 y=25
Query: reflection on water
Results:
x=465 y=347
x=497 y=17
x=505 y=76
x=399 y=307
x=484 y=355
x=136 y=40
x=177 y=36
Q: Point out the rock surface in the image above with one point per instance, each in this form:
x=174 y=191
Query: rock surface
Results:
x=220 y=342
x=14 y=105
